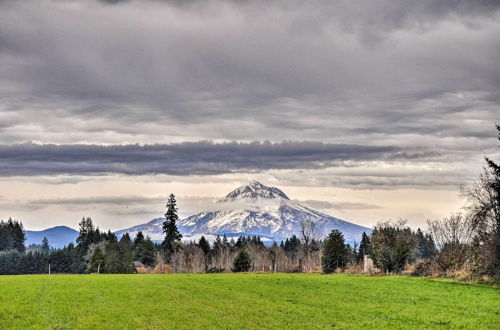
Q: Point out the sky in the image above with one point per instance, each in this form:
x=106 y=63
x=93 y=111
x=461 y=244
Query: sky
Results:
x=365 y=110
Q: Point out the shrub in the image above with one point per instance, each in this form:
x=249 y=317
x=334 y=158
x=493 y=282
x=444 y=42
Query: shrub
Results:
x=215 y=270
x=424 y=267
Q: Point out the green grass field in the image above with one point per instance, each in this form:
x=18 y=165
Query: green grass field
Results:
x=235 y=301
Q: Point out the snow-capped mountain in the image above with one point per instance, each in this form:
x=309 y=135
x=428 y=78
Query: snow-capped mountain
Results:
x=254 y=209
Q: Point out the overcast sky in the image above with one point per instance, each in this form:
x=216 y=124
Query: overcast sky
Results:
x=366 y=110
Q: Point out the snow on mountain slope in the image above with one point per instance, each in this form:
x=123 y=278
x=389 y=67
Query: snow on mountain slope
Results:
x=254 y=190
x=254 y=209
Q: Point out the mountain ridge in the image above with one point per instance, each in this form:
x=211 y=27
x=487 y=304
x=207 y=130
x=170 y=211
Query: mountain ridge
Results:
x=58 y=236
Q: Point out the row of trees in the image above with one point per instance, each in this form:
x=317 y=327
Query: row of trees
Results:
x=95 y=251
x=392 y=245
x=104 y=253
x=222 y=254
x=63 y=260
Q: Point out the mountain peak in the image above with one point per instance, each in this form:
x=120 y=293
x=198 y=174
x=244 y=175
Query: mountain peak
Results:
x=255 y=189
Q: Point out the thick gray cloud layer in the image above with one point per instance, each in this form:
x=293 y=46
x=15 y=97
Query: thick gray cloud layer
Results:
x=411 y=81
x=201 y=158
x=342 y=71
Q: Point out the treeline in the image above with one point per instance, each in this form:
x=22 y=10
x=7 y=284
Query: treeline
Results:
x=95 y=251
x=228 y=255
x=63 y=260
x=391 y=246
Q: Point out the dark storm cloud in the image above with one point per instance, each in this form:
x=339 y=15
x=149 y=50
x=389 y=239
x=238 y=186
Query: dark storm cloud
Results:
x=200 y=158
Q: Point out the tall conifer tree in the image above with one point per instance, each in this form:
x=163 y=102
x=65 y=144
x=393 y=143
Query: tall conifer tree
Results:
x=45 y=245
x=172 y=235
x=364 y=246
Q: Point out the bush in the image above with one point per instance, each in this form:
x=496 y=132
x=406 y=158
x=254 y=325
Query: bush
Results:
x=215 y=270
x=424 y=267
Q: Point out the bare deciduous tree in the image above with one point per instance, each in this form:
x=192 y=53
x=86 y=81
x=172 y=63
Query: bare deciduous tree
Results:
x=453 y=236
x=483 y=206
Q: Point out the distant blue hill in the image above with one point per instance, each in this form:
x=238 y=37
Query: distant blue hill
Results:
x=58 y=237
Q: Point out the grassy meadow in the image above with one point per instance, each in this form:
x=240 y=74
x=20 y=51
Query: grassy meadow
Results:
x=235 y=301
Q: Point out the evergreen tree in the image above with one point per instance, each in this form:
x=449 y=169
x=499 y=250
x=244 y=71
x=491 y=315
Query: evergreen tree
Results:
x=335 y=252
x=126 y=255
x=217 y=250
x=204 y=245
x=225 y=242
x=97 y=261
x=352 y=253
x=45 y=245
x=138 y=245
x=6 y=241
x=112 y=258
x=126 y=240
x=242 y=262
x=489 y=229
x=12 y=236
x=148 y=253
x=139 y=239
x=420 y=243
x=495 y=169
x=144 y=250
x=19 y=236
x=109 y=235
x=240 y=242
x=172 y=235
x=425 y=245
x=62 y=259
x=88 y=235
x=393 y=245
x=364 y=247
x=293 y=244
